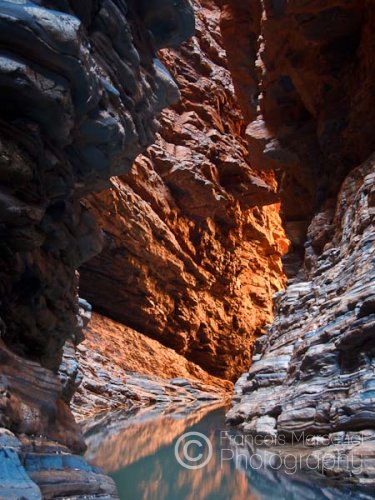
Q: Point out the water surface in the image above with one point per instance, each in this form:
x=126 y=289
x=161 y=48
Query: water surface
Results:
x=140 y=454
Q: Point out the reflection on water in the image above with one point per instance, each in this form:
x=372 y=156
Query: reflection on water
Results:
x=139 y=453
x=117 y=441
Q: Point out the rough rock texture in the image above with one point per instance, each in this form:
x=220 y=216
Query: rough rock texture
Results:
x=313 y=373
x=27 y=463
x=123 y=369
x=193 y=238
x=304 y=79
x=80 y=88
x=305 y=82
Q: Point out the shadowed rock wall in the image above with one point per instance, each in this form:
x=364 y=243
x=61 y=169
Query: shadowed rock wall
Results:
x=80 y=87
x=193 y=238
x=312 y=374
x=304 y=79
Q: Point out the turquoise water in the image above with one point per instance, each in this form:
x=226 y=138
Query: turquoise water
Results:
x=143 y=457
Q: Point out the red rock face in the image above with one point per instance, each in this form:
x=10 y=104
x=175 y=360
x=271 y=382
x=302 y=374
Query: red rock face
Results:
x=303 y=74
x=123 y=369
x=193 y=238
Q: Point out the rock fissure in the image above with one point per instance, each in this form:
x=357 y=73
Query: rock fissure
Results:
x=311 y=371
x=184 y=173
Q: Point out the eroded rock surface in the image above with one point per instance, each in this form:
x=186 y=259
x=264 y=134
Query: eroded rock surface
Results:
x=302 y=74
x=313 y=373
x=193 y=238
x=80 y=90
x=125 y=370
x=305 y=83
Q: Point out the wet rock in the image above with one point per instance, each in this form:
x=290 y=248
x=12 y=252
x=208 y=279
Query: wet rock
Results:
x=313 y=375
x=61 y=474
x=15 y=482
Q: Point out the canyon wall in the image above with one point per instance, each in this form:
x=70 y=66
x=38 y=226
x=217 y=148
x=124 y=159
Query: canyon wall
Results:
x=313 y=372
x=80 y=88
x=125 y=371
x=192 y=234
x=192 y=239
x=303 y=75
x=304 y=78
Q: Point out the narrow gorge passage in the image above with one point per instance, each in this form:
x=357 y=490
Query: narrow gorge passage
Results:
x=187 y=208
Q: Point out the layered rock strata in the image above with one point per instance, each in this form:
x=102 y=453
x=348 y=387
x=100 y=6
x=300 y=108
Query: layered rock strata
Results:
x=302 y=74
x=312 y=379
x=305 y=83
x=124 y=370
x=80 y=88
x=193 y=238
